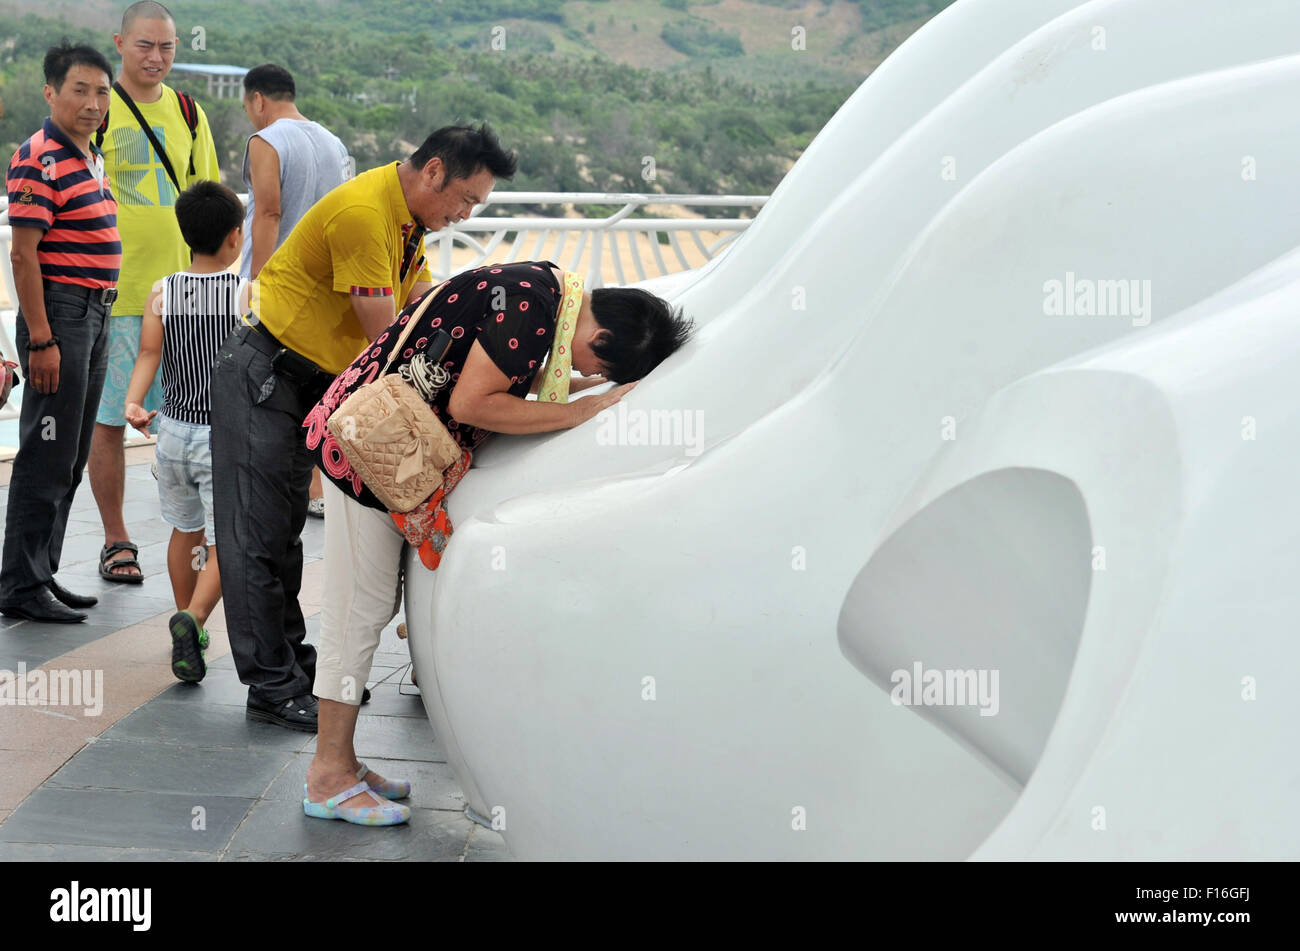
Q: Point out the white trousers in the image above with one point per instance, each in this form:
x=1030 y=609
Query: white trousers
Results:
x=363 y=557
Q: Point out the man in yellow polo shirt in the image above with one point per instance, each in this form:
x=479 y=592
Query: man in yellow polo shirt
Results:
x=348 y=266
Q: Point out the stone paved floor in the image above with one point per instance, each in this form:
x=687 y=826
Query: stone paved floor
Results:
x=171 y=771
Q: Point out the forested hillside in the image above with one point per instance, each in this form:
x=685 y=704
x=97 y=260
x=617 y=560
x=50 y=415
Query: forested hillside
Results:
x=722 y=96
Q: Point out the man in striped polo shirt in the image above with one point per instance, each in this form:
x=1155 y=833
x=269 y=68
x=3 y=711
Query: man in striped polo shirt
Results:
x=66 y=254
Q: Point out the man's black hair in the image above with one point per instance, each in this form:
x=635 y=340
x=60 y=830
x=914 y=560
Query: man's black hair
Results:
x=464 y=150
x=643 y=331
x=146 y=10
x=59 y=59
x=273 y=82
x=208 y=212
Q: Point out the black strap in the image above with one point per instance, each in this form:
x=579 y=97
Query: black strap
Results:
x=153 y=139
x=190 y=110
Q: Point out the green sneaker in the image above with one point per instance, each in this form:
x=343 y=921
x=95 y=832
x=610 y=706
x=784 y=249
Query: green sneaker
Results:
x=189 y=641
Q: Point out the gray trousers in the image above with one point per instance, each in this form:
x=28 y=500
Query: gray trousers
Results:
x=53 y=443
x=261 y=476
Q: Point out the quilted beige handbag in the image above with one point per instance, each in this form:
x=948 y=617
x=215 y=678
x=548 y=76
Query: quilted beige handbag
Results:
x=392 y=438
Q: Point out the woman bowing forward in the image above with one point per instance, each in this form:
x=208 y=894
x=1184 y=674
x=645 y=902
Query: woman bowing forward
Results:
x=514 y=329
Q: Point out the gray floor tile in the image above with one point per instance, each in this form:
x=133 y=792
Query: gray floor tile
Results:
x=288 y=857
x=154 y=558
x=213 y=727
x=83 y=574
x=142 y=820
x=220 y=687
x=83 y=632
x=278 y=827
x=391 y=658
x=392 y=676
x=147 y=531
x=487 y=846
x=116 y=764
x=135 y=598
x=432 y=784
x=138 y=510
x=34 y=643
x=82 y=526
x=387 y=701
x=391 y=644
x=129 y=796
x=403 y=738
x=33 y=852
x=125 y=611
x=84 y=578
x=81 y=548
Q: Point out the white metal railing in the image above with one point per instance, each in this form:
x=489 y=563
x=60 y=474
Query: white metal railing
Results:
x=596 y=249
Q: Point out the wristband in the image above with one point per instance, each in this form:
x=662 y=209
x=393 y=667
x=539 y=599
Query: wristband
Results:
x=52 y=342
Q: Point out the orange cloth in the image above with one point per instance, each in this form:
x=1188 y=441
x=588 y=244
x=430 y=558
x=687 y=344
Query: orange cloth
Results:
x=427 y=527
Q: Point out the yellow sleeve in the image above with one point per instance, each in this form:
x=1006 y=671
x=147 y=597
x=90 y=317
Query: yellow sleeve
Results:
x=361 y=252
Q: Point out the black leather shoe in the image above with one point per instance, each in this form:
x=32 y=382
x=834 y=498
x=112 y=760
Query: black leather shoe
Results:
x=70 y=599
x=42 y=607
x=296 y=714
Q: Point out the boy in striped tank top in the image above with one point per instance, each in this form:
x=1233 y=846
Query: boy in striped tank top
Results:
x=186 y=320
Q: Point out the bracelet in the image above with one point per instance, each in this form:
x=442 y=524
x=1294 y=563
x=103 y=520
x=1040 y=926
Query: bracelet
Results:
x=52 y=342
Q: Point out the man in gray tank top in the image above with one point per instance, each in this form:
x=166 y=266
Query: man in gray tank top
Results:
x=290 y=162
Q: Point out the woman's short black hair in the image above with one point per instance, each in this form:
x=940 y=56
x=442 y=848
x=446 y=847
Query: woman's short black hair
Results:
x=643 y=331
x=208 y=212
x=59 y=59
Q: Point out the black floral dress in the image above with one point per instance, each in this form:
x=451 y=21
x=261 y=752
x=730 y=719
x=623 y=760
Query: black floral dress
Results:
x=510 y=309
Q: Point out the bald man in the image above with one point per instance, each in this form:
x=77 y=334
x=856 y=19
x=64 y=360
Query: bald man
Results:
x=146 y=182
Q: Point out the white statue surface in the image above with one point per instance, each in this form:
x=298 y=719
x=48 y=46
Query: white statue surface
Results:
x=984 y=541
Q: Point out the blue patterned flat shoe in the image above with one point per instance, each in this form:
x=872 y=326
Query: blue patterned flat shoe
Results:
x=389 y=788
x=383 y=813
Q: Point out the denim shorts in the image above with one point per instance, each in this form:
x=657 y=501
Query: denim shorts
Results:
x=184 y=454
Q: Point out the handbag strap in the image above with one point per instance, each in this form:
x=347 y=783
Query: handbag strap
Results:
x=410 y=324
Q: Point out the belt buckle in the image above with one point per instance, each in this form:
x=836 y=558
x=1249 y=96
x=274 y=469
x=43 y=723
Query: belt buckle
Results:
x=107 y=296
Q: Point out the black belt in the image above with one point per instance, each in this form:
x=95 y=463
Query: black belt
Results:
x=101 y=295
x=290 y=364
